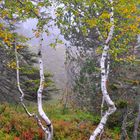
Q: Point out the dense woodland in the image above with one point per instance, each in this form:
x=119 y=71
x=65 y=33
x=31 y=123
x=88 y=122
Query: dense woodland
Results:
x=101 y=99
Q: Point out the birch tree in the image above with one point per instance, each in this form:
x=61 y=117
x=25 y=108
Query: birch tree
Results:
x=104 y=78
x=19 y=11
x=117 y=26
x=49 y=130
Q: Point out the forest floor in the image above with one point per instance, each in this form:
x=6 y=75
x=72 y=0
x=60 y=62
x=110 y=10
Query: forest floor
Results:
x=69 y=124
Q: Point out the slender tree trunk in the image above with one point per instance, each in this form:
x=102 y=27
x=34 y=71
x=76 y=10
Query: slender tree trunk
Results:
x=49 y=130
x=104 y=77
x=18 y=83
x=136 y=125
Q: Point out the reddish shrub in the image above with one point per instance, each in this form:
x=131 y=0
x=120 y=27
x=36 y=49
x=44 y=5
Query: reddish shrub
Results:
x=27 y=135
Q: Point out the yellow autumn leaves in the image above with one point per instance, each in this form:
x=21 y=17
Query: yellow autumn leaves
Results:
x=12 y=64
x=37 y=34
x=94 y=22
x=4 y=13
x=7 y=37
x=128 y=10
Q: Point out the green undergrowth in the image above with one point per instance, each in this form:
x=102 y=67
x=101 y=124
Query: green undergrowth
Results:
x=69 y=124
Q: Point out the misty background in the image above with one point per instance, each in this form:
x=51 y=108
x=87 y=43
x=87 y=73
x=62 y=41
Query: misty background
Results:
x=53 y=58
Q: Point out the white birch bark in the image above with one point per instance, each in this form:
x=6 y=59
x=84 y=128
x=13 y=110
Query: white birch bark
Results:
x=104 y=77
x=48 y=135
x=49 y=130
x=18 y=83
x=99 y=33
x=107 y=73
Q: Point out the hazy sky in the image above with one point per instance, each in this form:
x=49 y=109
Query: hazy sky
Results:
x=53 y=58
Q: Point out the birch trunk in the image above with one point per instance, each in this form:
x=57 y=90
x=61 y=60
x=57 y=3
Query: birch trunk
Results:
x=18 y=83
x=104 y=78
x=49 y=130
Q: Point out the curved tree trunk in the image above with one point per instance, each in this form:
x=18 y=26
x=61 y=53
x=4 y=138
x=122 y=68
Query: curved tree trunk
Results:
x=104 y=76
x=18 y=83
x=49 y=130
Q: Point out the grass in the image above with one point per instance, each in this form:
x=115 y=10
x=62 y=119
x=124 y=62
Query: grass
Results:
x=68 y=124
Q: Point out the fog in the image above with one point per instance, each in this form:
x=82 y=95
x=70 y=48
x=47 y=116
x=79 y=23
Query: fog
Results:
x=53 y=58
